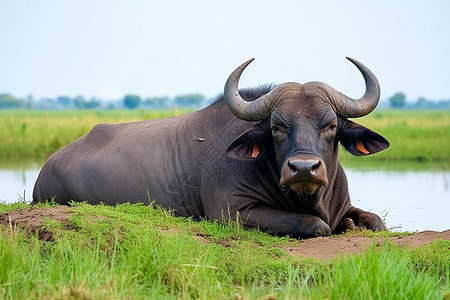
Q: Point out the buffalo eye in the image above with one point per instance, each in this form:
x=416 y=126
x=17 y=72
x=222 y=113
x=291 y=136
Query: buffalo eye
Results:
x=278 y=129
x=331 y=126
x=330 y=130
x=279 y=132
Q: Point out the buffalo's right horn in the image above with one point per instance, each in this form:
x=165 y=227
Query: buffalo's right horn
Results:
x=256 y=110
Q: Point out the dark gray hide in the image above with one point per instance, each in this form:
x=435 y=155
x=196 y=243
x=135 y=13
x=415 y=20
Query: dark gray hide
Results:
x=211 y=164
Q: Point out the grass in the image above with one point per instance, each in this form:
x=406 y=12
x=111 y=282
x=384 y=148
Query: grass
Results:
x=137 y=252
x=38 y=134
x=386 y=274
x=414 y=135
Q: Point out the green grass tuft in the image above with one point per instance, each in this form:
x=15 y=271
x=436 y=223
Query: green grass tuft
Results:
x=388 y=273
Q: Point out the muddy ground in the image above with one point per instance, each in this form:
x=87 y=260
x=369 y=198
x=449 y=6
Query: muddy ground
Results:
x=33 y=218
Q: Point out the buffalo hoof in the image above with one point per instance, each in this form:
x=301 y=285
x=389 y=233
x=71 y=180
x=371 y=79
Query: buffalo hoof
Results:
x=318 y=228
x=370 y=221
x=348 y=225
x=323 y=232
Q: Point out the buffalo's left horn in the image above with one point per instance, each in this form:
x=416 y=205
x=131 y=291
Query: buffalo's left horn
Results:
x=346 y=106
x=256 y=110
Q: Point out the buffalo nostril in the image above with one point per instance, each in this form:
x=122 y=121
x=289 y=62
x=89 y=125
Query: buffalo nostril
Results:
x=299 y=166
x=293 y=167
x=315 y=165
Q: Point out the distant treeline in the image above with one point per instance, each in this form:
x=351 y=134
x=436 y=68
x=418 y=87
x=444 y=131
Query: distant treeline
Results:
x=398 y=101
x=8 y=101
x=193 y=101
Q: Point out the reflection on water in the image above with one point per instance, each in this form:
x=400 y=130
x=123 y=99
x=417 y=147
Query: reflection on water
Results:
x=411 y=200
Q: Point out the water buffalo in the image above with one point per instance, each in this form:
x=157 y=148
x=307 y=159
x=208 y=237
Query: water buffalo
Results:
x=272 y=162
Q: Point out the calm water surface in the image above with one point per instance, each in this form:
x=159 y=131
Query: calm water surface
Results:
x=407 y=200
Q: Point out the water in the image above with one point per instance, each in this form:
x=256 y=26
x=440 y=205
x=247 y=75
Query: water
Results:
x=411 y=200
x=17 y=184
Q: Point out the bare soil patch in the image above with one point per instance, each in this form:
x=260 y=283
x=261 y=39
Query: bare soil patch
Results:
x=32 y=220
x=328 y=247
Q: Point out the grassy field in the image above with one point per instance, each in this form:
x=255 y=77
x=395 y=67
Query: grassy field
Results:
x=136 y=252
x=414 y=135
x=37 y=134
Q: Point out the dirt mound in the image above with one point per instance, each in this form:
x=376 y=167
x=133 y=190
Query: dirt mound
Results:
x=33 y=218
x=328 y=247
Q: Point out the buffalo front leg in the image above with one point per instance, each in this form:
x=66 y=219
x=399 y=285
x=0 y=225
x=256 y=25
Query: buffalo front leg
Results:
x=283 y=223
x=358 y=218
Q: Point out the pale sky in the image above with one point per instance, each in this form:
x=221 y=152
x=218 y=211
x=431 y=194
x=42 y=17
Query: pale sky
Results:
x=107 y=49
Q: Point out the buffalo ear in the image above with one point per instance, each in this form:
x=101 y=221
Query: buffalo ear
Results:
x=248 y=145
x=359 y=140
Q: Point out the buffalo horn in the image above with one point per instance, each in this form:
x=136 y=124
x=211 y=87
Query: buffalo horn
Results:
x=346 y=106
x=256 y=110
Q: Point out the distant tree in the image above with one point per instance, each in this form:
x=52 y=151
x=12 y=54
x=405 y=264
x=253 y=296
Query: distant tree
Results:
x=63 y=100
x=110 y=106
x=29 y=102
x=398 y=100
x=46 y=103
x=190 y=100
x=444 y=104
x=81 y=103
x=93 y=103
x=157 y=102
x=421 y=102
x=8 y=101
x=131 y=101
